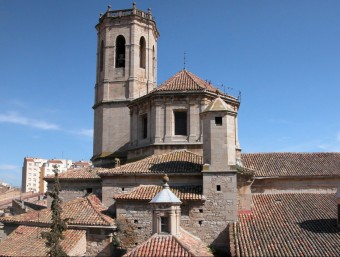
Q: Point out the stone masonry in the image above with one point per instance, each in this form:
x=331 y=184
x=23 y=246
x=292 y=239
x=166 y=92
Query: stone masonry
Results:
x=124 y=37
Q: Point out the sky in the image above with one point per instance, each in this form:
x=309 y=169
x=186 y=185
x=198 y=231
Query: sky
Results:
x=283 y=56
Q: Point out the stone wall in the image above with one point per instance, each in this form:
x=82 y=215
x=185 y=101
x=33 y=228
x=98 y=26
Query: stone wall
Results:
x=117 y=86
x=244 y=196
x=220 y=208
x=99 y=244
x=160 y=115
x=306 y=184
x=119 y=184
x=5 y=230
x=75 y=189
x=134 y=220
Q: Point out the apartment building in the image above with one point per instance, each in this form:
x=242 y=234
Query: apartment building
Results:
x=35 y=169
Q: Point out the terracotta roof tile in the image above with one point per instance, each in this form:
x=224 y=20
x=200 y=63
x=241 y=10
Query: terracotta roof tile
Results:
x=289 y=225
x=184 y=80
x=183 y=245
x=82 y=163
x=26 y=241
x=80 y=211
x=79 y=173
x=264 y=164
x=293 y=164
x=147 y=192
x=174 y=162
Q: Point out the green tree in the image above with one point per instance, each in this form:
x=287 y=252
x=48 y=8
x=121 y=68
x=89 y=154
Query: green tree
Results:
x=59 y=225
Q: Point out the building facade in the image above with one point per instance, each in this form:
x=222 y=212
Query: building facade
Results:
x=35 y=169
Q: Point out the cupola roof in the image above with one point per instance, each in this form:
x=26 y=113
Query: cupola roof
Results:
x=216 y=105
x=166 y=195
x=184 y=80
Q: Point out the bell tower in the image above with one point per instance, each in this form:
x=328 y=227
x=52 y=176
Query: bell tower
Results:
x=126 y=70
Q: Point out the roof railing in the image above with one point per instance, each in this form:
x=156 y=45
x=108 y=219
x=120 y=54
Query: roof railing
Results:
x=127 y=12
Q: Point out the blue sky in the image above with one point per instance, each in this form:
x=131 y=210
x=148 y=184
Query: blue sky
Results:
x=284 y=56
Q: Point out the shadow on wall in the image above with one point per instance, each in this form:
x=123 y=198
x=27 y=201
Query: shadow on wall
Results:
x=328 y=226
x=176 y=167
x=220 y=246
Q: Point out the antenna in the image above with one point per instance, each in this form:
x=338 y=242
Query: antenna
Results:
x=185 y=59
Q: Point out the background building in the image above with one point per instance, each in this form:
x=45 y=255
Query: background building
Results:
x=35 y=169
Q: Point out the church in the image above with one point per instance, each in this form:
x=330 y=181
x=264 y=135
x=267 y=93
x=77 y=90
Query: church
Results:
x=169 y=178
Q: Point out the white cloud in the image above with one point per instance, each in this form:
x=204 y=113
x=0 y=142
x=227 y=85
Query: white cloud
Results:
x=85 y=132
x=8 y=167
x=15 y=118
x=338 y=136
x=279 y=121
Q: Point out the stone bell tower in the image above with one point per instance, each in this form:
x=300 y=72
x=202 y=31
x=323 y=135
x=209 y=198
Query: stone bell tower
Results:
x=126 y=70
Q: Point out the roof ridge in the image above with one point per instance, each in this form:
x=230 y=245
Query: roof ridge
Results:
x=166 y=82
x=142 y=244
x=199 y=242
x=193 y=78
x=296 y=193
x=102 y=216
x=294 y=153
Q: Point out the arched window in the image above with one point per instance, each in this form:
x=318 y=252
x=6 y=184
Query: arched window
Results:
x=101 y=56
x=120 y=52
x=142 y=52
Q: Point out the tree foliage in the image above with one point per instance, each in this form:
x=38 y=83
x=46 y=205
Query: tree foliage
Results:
x=59 y=225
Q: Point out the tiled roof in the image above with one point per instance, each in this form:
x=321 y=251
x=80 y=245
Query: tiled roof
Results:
x=184 y=80
x=174 y=162
x=80 y=211
x=293 y=164
x=147 y=192
x=263 y=164
x=184 y=245
x=26 y=241
x=159 y=246
x=289 y=225
x=80 y=173
x=82 y=163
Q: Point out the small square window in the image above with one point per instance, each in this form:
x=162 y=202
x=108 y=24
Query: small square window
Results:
x=218 y=121
x=218 y=188
x=135 y=221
